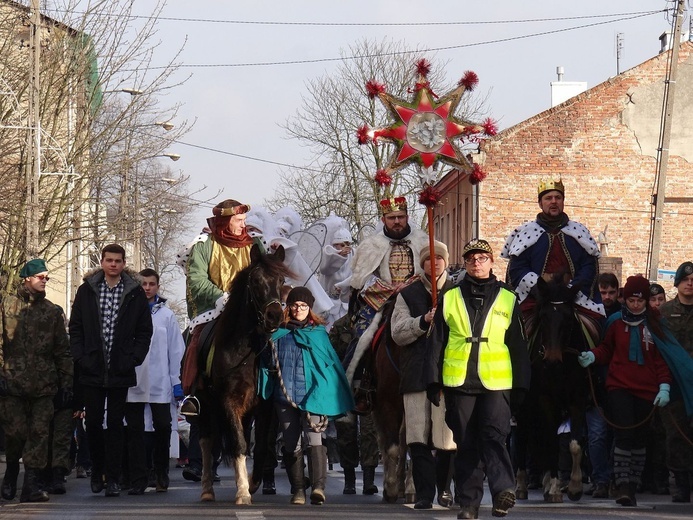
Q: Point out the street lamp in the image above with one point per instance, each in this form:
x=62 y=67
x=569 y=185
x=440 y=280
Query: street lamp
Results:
x=166 y=125
x=173 y=156
x=131 y=91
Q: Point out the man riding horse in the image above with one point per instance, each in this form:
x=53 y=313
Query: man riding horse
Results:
x=214 y=260
x=553 y=244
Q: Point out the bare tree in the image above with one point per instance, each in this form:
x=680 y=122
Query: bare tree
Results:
x=341 y=176
x=104 y=76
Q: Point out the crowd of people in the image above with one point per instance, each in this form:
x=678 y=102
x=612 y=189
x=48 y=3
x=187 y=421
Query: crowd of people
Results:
x=122 y=363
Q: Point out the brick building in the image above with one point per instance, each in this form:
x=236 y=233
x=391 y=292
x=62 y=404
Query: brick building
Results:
x=603 y=143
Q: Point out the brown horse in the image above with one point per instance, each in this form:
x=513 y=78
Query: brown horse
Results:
x=252 y=313
x=558 y=390
x=388 y=412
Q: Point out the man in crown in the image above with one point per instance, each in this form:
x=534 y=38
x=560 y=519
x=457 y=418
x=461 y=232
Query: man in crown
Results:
x=384 y=262
x=554 y=245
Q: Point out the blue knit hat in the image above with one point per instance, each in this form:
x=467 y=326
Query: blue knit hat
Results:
x=33 y=267
x=684 y=270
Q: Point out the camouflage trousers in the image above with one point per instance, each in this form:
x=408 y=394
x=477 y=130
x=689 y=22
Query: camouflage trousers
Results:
x=679 y=433
x=60 y=439
x=26 y=421
x=353 y=447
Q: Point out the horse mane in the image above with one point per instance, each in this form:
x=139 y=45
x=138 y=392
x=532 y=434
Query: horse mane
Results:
x=239 y=316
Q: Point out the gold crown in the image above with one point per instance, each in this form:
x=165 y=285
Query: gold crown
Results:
x=551 y=184
x=392 y=204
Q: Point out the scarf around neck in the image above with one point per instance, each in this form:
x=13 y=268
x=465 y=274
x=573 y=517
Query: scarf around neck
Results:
x=221 y=232
x=633 y=321
x=552 y=222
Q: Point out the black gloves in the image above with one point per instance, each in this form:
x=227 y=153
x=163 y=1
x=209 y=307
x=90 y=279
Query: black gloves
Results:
x=433 y=393
x=63 y=399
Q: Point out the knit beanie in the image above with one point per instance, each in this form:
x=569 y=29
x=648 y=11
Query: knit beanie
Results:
x=33 y=267
x=440 y=250
x=300 y=294
x=637 y=286
x=684 y=270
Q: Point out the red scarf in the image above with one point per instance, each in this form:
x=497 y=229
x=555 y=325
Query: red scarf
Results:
x=222 y=233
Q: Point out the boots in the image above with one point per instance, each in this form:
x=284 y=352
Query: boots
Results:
x=369 y=487
x=294 y=470
x=681 y=491
x=268 y=486
x=349 y=481
x=424 y=473
x=318 y=464
x=31 y=491
x=9 y=482
x=57 y=486
x=444 y=473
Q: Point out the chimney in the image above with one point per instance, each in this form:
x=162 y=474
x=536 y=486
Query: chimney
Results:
x=564 y=90
x=559 y=72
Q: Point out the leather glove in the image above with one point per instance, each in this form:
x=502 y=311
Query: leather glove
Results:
x=63 y=399
x=586 y=359
x=433 y=394
x=662 y=398
x=517 y=397
x=3 y=386
x=178 y=392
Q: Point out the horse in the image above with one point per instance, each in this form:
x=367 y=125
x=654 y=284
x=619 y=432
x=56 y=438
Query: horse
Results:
x=241 y=334
x=388 y=411
x=558 y=387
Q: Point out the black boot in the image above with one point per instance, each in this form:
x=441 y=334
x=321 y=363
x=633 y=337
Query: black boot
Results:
x=9 y=482
x=444 y=471
x=349 y=481
x=268 y=486
x=31 y=491
x=318 y=464
x=369 y=487
x=424 y=474
x=294 y=470
x=57 y=486
x=681 y=491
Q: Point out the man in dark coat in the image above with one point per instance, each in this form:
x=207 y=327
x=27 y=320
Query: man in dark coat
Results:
x=110 y=331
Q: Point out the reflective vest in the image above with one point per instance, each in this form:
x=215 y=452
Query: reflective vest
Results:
x=494 y=368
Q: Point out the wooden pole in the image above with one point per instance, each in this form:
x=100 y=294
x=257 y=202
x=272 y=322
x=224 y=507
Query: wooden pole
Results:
x=431 y=246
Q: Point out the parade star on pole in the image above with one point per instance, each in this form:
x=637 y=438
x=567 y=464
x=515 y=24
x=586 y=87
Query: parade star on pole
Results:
x=426 y=131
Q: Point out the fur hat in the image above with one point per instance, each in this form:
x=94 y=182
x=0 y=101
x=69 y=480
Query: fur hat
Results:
x=480 y=246
x=341 y=235
x=637 y=286
x=33 y=267
x=440 y=250
x=300 y=294
x=684 y=270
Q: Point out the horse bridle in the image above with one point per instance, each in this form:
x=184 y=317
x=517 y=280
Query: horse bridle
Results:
x=260 y=308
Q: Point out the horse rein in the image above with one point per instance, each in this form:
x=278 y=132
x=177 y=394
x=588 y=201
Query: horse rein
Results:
x=260 y=308
x=318 y=427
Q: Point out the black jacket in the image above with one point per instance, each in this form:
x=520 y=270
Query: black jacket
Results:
x=133 y=332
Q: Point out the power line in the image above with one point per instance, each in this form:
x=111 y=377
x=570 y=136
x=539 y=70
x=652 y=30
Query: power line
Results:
x=418 y=51
x=361 y=24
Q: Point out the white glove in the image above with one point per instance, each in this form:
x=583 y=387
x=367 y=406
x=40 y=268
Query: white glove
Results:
x=586 y=359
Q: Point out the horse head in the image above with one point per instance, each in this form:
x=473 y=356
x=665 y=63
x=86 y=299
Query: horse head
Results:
x=555 y=321
x=265 y=279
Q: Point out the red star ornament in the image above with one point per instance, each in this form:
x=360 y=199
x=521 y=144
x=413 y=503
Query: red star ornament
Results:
x=425 y=129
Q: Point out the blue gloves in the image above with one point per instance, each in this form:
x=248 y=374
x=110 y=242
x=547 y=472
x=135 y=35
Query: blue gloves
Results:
x=178 y=392
x=662 y=398
x=586 y=359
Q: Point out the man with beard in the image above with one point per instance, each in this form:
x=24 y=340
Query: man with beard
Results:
x=384 y=263
x=554 y=245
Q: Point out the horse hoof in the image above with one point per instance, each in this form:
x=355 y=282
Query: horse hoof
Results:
x=243 y=501
x=521 y=494
x=390 y=499
x=207 y=497
x=409 y=498
x=553 y=499
x=574 y=496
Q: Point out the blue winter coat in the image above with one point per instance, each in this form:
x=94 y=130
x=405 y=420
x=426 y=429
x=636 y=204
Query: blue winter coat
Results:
x=312 y=373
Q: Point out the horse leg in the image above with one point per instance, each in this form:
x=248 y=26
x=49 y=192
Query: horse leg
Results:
x=243 y=492
x=207 y=478
x=521 y=492
x=409 y=488
x=390 y=473
x=575 y=485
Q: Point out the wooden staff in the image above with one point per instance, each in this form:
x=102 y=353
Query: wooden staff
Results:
x=431 y=247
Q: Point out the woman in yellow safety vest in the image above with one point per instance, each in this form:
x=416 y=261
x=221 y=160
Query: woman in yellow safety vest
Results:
x=477 y=356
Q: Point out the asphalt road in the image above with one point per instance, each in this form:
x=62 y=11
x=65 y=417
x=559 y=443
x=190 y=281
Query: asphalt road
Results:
x=182 y=501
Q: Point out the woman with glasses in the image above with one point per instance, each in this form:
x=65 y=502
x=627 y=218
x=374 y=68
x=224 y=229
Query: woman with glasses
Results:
x=476 y=356
x=308 y=385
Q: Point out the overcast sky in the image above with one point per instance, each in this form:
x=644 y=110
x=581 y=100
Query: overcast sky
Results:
x=239 y=108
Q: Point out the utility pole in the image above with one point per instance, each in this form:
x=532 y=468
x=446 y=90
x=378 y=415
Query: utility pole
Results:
x=33 y=162
x=664 y=141
x=619 y=49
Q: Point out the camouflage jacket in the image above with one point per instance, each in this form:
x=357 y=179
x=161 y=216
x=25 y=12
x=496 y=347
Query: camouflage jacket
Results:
x=35 y=351
x=680 y=320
